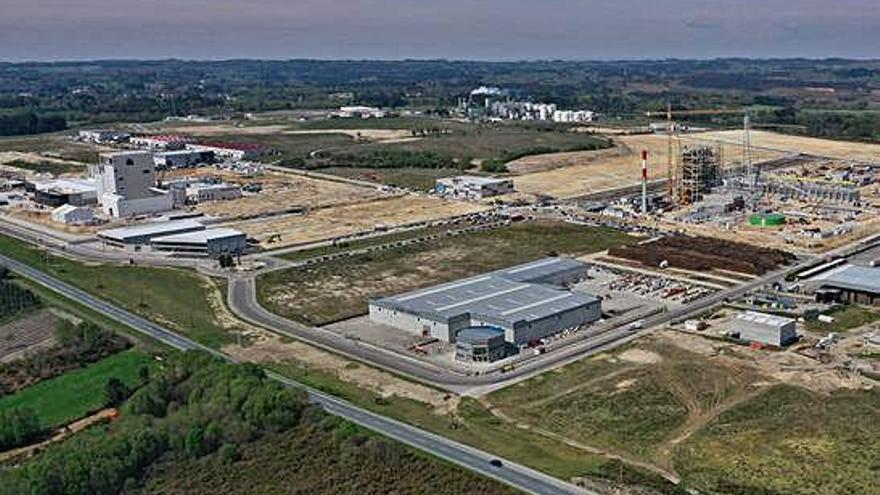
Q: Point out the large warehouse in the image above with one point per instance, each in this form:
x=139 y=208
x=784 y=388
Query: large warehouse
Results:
x=526 y=302
x=212 y=242
x=849 y=283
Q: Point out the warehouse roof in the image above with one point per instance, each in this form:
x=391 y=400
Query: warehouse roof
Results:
x=504 y=296
x=764 y=319
x=152 y=229
x=852 y=277
x=541 y=269
x=199 y=237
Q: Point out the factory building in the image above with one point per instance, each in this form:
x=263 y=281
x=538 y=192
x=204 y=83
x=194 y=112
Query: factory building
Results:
x=480 y=344
x=211 y=242
x=231 y=151
x=202 y=192
x=848 y=284
x=182 y=159
x=473 y=187
x=101 y=136
x=161 y=142
x=139 y=235
x=73 y=215
x=126 y=185
x=764 y=328
x=526 y=302
x=58 y=192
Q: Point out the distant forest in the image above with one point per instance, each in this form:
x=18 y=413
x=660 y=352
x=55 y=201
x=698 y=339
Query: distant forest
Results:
x=832 y=98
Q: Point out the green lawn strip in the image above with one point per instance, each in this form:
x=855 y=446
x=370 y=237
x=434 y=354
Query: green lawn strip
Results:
x=788 y=440
x=75 y=394
x=169 y=296
x=846 y=318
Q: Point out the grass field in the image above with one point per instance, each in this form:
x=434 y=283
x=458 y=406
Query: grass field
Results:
x=56 y=144
x=789 y=441
x=75 y=394
x=846 y=318
x=54 y=168
x=340 y=289
x=175 y=297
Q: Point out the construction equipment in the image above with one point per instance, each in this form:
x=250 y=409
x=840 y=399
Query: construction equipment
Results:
x=673 y=171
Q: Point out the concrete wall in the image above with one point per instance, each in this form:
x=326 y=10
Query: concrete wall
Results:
x=416 y=325
x=118 y=207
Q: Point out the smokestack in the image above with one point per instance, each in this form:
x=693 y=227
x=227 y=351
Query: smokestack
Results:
x=645 y=182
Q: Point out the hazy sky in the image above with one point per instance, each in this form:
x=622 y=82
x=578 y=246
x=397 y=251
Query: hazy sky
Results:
x=455 y=29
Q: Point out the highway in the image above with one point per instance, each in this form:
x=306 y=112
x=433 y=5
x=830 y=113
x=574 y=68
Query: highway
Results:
x=515 y=475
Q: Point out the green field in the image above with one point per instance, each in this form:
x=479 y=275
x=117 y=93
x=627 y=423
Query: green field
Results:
x=56 y=144
x=340 y=289
x=789 y=441
x=77 y=393
x=846 y=318
x=54 y=168
x=417 y=179
x=175 y=297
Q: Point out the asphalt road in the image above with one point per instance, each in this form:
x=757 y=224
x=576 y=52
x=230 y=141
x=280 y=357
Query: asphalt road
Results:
x=515 y=475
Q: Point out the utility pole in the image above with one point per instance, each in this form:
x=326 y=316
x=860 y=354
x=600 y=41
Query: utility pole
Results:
x=644 y=182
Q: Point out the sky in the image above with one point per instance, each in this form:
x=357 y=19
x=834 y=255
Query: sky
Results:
x=427 y=29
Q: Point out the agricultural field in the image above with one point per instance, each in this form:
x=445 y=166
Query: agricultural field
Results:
x=77 y=393
x=51 y=148
x=771 y=141
x=340 y=289
x=566 y=175
x=346 y=220
x=27 y=334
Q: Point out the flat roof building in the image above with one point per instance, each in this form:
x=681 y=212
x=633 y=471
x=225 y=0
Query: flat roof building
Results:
x=765 y=328
x=473 y=187
x=211 y=242
x=854 y=284
x=527 y=302
x=136 y=235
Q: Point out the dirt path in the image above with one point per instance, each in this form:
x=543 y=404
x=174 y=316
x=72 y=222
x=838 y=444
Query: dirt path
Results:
x=59 y=434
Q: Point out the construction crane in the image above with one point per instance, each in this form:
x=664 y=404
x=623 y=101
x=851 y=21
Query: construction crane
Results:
x=674 y=141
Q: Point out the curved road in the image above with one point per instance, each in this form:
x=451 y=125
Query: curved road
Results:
x=515 y=475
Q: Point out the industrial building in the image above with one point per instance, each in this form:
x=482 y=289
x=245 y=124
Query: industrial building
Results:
x=527 y=302
x=57 y=192
x=231 y=151
x=102 y=136
x=473 y=187
x=139 y=235
x=161 y=142
x=763 y=328
x=126 y=185
x=480 y=344
x=73 y=215
x=848 y=283
x=211 y=242
x=168 y=160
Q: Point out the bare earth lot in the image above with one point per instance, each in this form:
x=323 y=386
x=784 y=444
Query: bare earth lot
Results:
x=26 y=335
x=822 y=147
x=564 y=175
x=344 y=220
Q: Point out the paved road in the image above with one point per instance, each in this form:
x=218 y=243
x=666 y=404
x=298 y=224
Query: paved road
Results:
x=515 y=475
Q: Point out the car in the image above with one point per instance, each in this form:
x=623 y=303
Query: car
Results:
x=496 y=463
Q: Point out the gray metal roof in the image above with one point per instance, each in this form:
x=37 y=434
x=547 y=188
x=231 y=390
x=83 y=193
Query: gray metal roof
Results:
x=540 y=269
x=764 y=319
x=498 y=296
x=151 y=229
x=199 y=237
x=852 y=277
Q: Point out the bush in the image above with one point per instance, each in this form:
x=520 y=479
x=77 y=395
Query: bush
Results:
x=18 y=427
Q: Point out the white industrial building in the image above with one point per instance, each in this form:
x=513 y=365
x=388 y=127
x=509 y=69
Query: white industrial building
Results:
x=764 y=328
x=473 y=187
x=103 y=136
x=527 y=302
x=126 y=185
x=360 y=112
x=573 y=116
x=201 y=192
x=211 y=242
x=57 y=192
x=230 y=151
x=73 y=215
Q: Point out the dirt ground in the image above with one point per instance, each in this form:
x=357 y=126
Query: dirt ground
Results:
x=280 y=193
x=29 y=334
x=338 y=221
x=781 y=142
x=565 y=175
x=13 y=156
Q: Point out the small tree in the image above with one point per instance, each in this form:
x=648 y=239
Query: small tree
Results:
x=116 y=392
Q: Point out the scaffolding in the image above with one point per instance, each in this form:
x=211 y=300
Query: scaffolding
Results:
x=698 y=172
